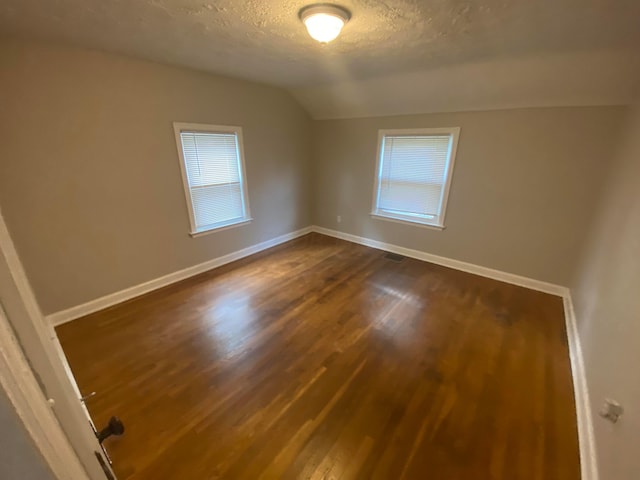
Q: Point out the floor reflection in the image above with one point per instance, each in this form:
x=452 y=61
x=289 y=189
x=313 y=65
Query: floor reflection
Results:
x=232 y=321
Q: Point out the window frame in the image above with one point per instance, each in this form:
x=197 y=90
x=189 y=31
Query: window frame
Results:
x=438 y=222
x=181 y=127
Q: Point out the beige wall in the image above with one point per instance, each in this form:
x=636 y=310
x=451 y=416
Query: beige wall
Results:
x=90 y=183
x=606 y=296
x=523 y=190
x=95 y=203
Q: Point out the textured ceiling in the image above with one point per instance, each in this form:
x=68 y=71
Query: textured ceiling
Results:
x=263 y=40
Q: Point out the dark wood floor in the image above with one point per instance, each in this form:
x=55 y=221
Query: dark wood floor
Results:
x=322 y=359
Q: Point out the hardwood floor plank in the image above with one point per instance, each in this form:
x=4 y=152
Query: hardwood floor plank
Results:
x=321 y=359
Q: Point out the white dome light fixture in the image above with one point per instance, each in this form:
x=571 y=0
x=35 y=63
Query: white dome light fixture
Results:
x=324 y=21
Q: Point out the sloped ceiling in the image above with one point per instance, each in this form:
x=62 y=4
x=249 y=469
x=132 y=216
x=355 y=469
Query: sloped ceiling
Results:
x=550 y=80
x=389 y=42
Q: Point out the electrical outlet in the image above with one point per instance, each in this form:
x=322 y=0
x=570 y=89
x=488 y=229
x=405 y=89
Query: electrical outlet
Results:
x=339 y=218
x=611 y=410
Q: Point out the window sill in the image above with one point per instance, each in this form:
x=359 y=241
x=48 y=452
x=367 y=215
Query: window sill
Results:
x=408 y=222
x=242 y=222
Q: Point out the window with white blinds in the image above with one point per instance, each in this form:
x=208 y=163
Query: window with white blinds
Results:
x=414 y=174
x=213 y=173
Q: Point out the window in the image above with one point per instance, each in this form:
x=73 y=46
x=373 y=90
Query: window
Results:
x=413 y=174
x=212 y=162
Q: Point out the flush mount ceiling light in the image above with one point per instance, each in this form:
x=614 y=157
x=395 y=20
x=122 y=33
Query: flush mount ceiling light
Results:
x=324 y=21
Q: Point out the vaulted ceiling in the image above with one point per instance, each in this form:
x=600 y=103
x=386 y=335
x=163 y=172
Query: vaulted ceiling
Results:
x=263 y=40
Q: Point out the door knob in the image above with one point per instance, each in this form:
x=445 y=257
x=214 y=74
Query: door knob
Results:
x=114 y=427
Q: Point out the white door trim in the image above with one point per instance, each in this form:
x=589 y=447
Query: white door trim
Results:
x=584 y=416
x=27 y=398
x=35 y=339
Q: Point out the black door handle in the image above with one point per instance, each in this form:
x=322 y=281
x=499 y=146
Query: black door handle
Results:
x=114 y=427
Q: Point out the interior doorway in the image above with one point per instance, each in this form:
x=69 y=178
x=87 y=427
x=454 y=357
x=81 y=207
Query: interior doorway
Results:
x=38 y=381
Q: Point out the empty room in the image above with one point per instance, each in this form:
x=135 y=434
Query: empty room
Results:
x=262 y=239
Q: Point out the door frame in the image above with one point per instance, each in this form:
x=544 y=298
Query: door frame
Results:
x=21 y=386
x=36 y=380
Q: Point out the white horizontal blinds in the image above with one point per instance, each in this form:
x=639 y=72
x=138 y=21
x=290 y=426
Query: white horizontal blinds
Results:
x=212 y=163
x=413 y=174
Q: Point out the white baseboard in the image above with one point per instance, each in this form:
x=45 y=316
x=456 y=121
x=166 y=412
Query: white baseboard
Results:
x=101 y=303
x=588 y=458
x=450 y=262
